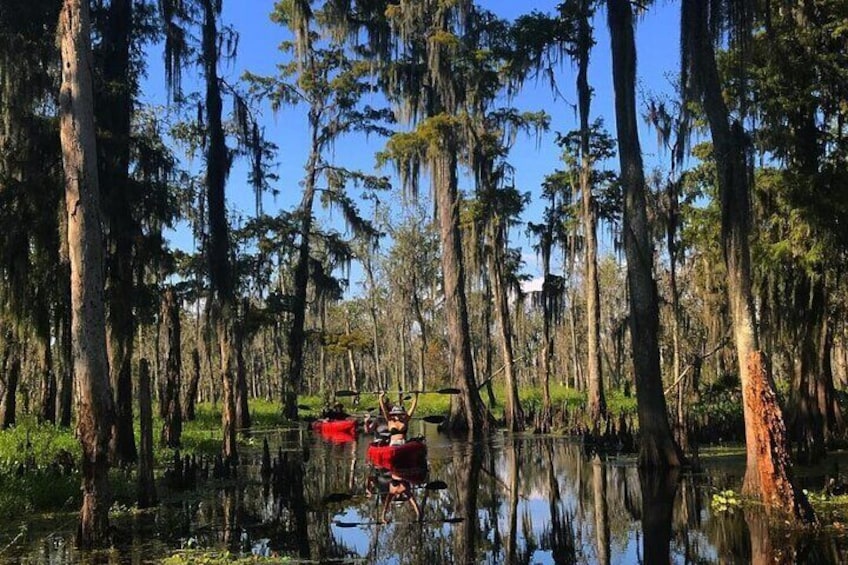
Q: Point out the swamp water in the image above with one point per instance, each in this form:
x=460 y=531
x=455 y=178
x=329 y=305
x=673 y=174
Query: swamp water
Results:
x=512 y=499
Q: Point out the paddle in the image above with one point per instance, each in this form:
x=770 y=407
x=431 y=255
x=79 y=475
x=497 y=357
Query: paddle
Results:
x=343 y=496
x=454 y=520
x=346 y=393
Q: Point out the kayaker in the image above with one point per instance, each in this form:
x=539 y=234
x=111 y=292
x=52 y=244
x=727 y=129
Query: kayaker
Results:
x=337 y=412
x=397 y=419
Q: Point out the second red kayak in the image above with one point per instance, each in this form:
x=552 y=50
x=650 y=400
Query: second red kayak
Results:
x=346 y=426
x=411 y=454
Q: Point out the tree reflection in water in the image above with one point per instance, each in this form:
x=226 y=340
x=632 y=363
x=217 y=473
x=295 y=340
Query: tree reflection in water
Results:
x=513 y=500
x=659 y=488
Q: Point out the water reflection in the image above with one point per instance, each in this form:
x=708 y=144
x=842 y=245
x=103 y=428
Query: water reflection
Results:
x=515 y=500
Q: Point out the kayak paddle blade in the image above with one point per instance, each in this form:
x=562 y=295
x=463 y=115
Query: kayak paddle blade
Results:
x=434 y=419
x=436 y=485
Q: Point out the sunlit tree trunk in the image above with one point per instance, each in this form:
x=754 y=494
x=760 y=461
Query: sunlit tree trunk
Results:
x=597 y=401
x=657 y=445
x=512 y=410
x=767 y=475
x=469 y=413
x=95 y=412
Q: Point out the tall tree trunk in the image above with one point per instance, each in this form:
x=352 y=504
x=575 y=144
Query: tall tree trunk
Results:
x=146 y=487
x=512 y=410
x=66 y=393
x=220 y=271
x=834 y=424
x=12 y=366
x=805 y=413
x=297 y=333
x=242 y=406
x=657 y=445
x=422 y=351
x=372 y=310
x=597 y=401
x=768 y=470
x=48 y=382
x=193 y=383
x=85 y=236
x=468 y=413
x=114 y=111
x=173 y=426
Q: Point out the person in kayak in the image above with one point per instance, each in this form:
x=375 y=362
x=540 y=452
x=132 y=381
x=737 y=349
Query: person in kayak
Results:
x=337 y=412
x=397 y=419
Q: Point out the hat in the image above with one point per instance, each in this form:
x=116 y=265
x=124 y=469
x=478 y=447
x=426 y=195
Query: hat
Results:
x=397 y=409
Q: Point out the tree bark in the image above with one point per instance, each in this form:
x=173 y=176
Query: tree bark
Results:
x=242 y=406
x=597 y=401
x=173 y=426
x=85 y=242
x=48 y=383
x=297 y=334
x=512 y=409
x=191 y=391
x=13 y=374
x=114 y=110
x=657 y=445
x=220 y=271
x=468 y=413
x=146 y=484
x=768 y=471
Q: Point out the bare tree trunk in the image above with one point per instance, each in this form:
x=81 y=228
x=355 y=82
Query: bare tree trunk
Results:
x=220 y=271
x=48 y=383
x=657 y=445
x=146 y=485
x=372 y=310
x=468 y=413
x=114 y=107
x=191 y=391
x=85 y=243
x=512 y=410
x=297 y=333
x=768 y=471
x=597 y=400
x=173 y=425
x=66 y=393
x=242 y=405
x=12 y=364
x=422 y=352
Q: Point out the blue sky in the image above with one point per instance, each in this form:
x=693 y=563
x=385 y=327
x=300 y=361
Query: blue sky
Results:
x=658 y=61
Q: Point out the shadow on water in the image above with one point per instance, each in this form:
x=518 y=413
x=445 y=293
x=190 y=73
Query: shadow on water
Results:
x=511 y=499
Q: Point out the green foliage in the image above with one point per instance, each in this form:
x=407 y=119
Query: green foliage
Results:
x=36 y=443
x=725 y=501
x=217 y=558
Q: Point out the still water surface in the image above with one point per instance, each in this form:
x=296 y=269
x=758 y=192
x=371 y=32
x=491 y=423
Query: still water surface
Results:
x=512 y=499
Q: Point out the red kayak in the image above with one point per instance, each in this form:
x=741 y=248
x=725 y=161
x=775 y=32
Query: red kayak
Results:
x=346 y=426
x=412 y=454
